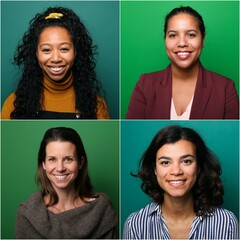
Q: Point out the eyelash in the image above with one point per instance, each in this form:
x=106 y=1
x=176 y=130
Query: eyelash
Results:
x=185 y=161
x=64 y=50
x=190 y=35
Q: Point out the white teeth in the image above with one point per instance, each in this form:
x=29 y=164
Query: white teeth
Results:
x=182 y=53
x=176 y=182
x=60 y=177
x=56 y=69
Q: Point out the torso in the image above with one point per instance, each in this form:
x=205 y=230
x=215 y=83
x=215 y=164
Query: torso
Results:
x=179 y=229
x=182 y=94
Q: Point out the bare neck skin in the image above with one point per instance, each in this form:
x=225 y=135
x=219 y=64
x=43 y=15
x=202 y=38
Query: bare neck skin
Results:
x=183 y=86
x=179 y=215
x=185 y=75
x=68 y=199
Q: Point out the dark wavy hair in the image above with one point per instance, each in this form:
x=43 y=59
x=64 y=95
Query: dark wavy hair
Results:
x=208 y=190
x=29 y=92
x=83 y=185
x=187 y=10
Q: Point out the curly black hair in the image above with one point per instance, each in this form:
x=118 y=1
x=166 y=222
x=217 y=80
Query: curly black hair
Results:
x=29 y=92
x=208 y=190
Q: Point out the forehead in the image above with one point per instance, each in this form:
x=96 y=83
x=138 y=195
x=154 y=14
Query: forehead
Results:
x=183 y=20
x=177 y=149
x=54 y=33
x=60 y=146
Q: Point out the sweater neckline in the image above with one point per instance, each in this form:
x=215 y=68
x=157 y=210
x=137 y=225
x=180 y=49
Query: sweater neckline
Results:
x=55 y=87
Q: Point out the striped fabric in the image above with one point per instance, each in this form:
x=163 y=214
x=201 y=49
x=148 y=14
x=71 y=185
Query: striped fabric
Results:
x=148 y=223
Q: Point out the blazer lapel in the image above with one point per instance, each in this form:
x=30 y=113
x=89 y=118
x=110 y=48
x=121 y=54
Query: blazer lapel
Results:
x=201 y=96
x=164 y=94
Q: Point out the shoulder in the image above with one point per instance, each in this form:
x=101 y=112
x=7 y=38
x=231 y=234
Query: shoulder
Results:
x=143 y=214
x=8 y=106
x=102 y=108
x=33 y=202
x=217 y=78
x=154 y=77
x=224 y=214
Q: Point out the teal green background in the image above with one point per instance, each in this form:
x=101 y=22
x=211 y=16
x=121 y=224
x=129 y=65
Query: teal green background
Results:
x=19 y=149
x=222 y=137
x=142 y=40
x=101 y=18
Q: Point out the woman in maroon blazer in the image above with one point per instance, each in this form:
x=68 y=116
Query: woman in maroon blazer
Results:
x=185 y=89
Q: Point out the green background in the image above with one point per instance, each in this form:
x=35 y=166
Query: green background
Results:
x=20 y=145
x=222 y=137
x=101 y=18
x=142 y=40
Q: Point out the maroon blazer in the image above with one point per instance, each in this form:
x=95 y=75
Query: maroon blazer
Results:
x=215 y=97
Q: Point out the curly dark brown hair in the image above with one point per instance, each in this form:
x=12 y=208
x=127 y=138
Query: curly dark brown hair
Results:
x=30 y=88
x=208 y=190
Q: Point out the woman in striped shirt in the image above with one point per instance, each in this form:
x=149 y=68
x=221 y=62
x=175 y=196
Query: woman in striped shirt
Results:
x=182 y=177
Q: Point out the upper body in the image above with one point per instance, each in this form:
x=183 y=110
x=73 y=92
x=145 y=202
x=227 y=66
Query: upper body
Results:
x=220 y=224
x=56 y=46
x=185 y=90
x=96 y=219
x=59 y=99
x=182 y=176
x=215 y=97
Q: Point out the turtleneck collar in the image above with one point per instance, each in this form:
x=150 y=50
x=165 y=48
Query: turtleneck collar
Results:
x=54 y=87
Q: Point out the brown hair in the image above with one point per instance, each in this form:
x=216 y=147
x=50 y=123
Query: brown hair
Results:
x=83 y=184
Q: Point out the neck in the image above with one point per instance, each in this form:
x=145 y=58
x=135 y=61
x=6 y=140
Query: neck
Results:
x=178 y=208
x=185 y=75
x=67 y=199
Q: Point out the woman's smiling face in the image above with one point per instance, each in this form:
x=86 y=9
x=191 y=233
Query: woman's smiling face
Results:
x=176 y=168
x=183 y=40
x=61 y=164
x=55 y=52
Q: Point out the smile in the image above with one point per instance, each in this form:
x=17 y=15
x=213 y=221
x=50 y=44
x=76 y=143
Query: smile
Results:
x=183 y=55
x=56 y=70
x=60 y=177
x=176 y=183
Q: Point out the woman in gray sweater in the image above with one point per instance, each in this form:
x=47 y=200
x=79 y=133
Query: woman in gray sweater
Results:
x=66 y=206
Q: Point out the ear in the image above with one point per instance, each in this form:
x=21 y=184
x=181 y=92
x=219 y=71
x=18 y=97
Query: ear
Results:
x=43 y=165
x=81 y=162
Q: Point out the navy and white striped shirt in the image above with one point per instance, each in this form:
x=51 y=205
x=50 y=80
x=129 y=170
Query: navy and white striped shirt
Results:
x=148 y=223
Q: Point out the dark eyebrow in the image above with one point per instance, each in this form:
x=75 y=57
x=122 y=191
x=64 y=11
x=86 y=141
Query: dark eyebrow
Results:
x=164 y=158
x=189 y=30
x=182 y=157
x=187 y=155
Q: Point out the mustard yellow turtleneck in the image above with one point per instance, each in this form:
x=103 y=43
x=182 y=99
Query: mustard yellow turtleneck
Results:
x=58 y=97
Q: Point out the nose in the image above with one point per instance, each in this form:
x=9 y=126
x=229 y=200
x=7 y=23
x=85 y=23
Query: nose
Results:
x=176 y=170
x=182 y=41
x=60 y=166
x=56 y=57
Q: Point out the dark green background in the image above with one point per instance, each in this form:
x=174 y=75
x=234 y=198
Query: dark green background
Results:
x=222 y=137
x=19 y=148
x=142 y=41
x=101 y=18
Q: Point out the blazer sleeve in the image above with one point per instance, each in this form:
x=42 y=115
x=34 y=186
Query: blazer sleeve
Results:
x=137 y=105
x=232 y=102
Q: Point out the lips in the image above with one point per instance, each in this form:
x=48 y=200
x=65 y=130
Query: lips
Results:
x=176 y=183
x=183 y=55
x=56 y=69
x=60 y=177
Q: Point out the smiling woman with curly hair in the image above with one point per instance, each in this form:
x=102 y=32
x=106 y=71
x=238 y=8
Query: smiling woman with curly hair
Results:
x=58 y=78
x=182 y=176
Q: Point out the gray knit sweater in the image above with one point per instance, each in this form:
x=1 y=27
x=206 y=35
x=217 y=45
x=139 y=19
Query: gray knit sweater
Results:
x=96 y=219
